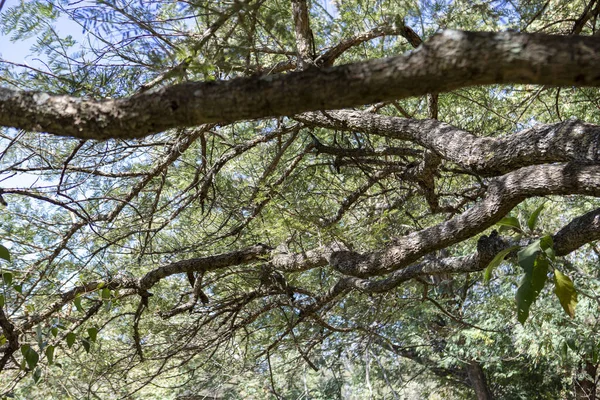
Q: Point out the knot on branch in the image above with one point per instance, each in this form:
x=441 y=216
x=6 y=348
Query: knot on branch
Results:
x=351 y=263
x=489 y=246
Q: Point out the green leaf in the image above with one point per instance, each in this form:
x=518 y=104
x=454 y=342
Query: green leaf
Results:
x=511 y=223
x=495 y=262
x=86 y=344
x=105 y=294
x=37 y=375
x=71 y=339
x=2 y=339
x=18 y=288
x=31 y=356
x=565 y=290
x=7 y=277
x=50 y=354
x=527 y=256
x=531 y=286
x=77 y=302
x=54 y=331
x=533 y=218
x=93 y=333
x=547 y=245
x=1 y=300
x=4 y=253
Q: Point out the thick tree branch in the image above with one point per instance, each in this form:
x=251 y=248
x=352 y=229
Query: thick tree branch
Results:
x=448 y=61
x=578 y=232
x=304 y=36
x=503 y=194
x=209 y=263
x=566 y=141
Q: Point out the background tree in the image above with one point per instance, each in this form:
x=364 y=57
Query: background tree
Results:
x=178 y=232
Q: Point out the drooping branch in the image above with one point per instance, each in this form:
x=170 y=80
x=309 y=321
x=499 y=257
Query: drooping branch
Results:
x=448 y=61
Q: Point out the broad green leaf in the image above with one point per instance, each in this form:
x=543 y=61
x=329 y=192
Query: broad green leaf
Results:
x=7 y=277
x=2 y=339
x=540 y=275
x=105 y=294
x=564 y=289
x=547 y=245
x=4 y=253
x=93 y=333
x=510 y=222
x=50 y=354
x=533 y=218
x=18 y=288
x=86 y=344
x=71 y=339
x=1 y=300
x=528 y=255
x=531 y=286
x=495 y=262
x=77 y=302
x=31 y=356
x=54 y=331
x=37 y=375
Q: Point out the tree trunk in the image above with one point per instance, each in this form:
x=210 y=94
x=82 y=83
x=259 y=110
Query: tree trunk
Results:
x=478 y=382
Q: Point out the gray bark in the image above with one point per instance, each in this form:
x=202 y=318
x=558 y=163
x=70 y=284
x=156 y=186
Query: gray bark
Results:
x=304 y=36
x=566 y=141
x=448 y=61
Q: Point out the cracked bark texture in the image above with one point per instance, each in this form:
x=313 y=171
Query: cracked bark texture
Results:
x=448 y=61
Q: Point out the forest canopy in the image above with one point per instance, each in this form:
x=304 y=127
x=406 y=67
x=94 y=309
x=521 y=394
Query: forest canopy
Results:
x=299 y=199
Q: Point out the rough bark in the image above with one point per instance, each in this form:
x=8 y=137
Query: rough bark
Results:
x=503 y=194
x=478 y=381
x=304 y=36
x=448 y=61
x=566 y=141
